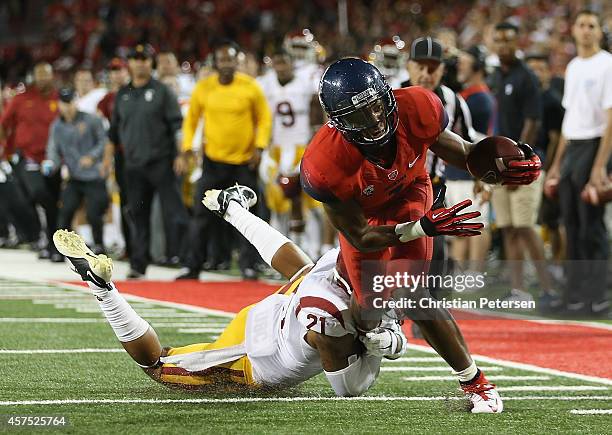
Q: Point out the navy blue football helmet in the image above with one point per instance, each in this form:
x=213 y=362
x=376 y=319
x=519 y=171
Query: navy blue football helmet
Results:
x=359 y=103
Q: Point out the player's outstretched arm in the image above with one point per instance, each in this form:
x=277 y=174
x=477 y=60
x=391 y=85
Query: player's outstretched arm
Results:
x=452 y=148
x=348 y=218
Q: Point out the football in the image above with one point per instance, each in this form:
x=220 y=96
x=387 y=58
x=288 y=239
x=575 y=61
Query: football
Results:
x=490 y=157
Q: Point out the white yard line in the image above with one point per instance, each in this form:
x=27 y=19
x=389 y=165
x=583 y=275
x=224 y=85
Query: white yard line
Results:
x=35 y=351
x=414 y=359
x=523 y=366
x=591 y=411
x=51 y=320
x=430 y=369
x=286 y=399
x=553 y=388
x=491 y=378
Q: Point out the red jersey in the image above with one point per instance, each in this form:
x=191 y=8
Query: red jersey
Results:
x=334 y=169
x=26 y=121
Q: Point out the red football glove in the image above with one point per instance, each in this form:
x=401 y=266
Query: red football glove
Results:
x=446 y=221
x=522 y=172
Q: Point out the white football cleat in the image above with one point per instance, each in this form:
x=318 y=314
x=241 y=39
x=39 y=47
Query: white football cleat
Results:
x=97 y=269
x=483 y=397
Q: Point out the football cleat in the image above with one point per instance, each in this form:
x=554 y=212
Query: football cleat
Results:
x=483 y=397
x=218 y=200
x=97 y=269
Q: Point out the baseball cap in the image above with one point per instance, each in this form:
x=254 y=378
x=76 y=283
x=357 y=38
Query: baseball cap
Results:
x=66 y=95
x=141 y=51
x=116 y=63
x=426 y=48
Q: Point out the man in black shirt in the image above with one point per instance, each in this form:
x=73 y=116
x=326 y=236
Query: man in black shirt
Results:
x=516 y=208
x=146 y=121
x=546 y=145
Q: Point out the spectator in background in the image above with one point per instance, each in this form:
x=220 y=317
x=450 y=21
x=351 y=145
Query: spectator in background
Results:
x=168 y=71
x=88 y=94
x=426 y=68
x=583 y=162
x=481 y=103
x=26 y=121
x=146 y=122
x=238 y=125
x=516 y=207
x=77 y=140
x=117 y=77
x=546 y=147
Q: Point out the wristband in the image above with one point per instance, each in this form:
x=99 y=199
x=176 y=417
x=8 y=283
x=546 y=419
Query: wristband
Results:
x=410 y=231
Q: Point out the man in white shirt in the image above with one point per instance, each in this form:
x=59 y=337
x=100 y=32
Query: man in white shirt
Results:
x=583 y=161
x=88 y=95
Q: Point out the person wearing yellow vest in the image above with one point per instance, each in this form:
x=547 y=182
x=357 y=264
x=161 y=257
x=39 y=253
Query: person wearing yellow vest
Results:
x=237 y=127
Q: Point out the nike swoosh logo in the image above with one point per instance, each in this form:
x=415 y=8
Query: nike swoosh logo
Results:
x=434 y=216
x=411 y=164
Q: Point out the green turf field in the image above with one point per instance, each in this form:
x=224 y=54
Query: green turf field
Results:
x=100 y=390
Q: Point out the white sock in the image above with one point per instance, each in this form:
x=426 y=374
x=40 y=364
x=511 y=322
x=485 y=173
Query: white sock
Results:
x=266 y=239
x=126 y=323
x=468 y=373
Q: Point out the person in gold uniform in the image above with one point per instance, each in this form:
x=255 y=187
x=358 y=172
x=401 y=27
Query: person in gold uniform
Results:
x=237 y=127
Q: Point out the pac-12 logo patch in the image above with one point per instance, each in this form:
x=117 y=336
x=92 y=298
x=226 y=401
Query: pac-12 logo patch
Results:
x=392 y=175
x=369 y=190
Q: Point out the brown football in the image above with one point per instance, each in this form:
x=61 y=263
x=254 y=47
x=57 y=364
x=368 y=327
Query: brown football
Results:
x=490 y=157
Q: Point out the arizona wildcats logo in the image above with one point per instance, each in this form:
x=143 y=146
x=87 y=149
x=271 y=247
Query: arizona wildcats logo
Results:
x=369 y=190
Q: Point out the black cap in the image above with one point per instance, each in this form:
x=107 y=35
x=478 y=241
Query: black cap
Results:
x=66 y=95
x=426 y=48
x=479 y=53
x=141 y=51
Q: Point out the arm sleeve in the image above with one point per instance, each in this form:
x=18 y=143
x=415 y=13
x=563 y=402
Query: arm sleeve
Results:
x=172 y=113
x=607 y=89
x=316 y=184
x=190 y=123
x=481 y=110
x=53 y=152
x=468 y=128
x=264 y=118
x=100 y=137
x=7 y=119
x=357 y=378
x=113 y=130
x=532 y=100
x=422 y=111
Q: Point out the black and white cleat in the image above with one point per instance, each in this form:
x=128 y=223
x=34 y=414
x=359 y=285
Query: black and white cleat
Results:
x=217 y=201
x=97 y=269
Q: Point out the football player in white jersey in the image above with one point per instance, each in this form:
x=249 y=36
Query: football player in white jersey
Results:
x=303 y=329
x=292 y=96
x=388 y=57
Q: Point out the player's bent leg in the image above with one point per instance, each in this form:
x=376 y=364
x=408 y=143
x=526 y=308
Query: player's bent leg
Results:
x=276 y=250
x=135 y=334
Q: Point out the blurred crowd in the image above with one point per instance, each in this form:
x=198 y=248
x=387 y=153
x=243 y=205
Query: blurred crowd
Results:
x=118 y=116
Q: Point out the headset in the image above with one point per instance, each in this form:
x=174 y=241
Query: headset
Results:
x=479 y=53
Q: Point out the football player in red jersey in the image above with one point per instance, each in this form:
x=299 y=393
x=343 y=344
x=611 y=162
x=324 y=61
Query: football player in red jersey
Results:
x=367 y=166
